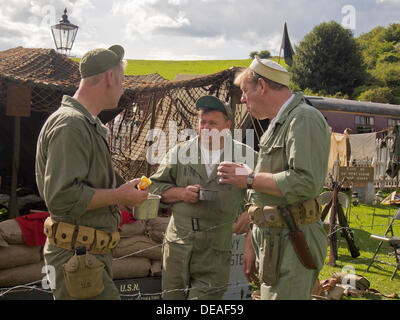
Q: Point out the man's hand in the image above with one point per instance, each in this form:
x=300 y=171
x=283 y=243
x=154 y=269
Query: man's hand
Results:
x=129 y=196
x=242 y=224
x=234 y=174
x=190 y=194
x=249 y=261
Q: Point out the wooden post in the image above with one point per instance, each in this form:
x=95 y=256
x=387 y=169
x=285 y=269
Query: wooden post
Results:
x=18 y=105
x=152 y=124
x=13 y=207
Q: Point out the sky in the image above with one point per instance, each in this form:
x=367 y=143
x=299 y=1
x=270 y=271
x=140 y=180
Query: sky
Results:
x=185 y=29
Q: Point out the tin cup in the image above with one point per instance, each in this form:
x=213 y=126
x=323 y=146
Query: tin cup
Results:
x=207 y=195
x=148 y=209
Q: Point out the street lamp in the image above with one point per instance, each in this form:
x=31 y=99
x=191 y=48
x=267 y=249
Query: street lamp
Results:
x=64 y=34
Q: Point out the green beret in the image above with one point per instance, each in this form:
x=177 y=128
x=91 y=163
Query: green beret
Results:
x=100 y=60
x=213 y=103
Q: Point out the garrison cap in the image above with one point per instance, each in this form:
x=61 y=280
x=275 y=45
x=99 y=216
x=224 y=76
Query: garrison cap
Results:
x=271 y=70
x=100 y=60
x=213 y=103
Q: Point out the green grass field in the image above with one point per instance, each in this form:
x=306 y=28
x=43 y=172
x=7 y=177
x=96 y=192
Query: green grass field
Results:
x=379 y=274
x=169 y=68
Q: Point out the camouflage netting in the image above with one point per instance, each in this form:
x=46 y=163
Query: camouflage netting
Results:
x=149 y=101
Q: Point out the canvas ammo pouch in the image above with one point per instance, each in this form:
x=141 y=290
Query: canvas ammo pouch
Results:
x=83 y=275
x=69 y=237
x=271 y=258
x=268 y=216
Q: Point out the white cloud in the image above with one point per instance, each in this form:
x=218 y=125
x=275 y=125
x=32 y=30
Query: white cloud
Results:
x=224 y=29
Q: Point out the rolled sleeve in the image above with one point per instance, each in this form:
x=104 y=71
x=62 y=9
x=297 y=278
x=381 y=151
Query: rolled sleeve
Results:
x=165 y=177
x=66 y=191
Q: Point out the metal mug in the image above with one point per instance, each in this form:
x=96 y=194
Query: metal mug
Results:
x=207 y=195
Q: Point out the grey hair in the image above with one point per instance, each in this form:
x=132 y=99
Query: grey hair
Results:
x=253 y=77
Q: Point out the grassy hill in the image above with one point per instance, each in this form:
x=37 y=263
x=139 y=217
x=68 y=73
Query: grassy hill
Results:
x=169 y=68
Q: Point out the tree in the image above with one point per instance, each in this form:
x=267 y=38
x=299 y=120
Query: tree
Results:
x=264 y=54
x=382 y=95
x=381 y=51
x=328 y=59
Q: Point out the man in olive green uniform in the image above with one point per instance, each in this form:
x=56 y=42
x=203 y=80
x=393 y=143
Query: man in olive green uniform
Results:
x=75 y=177
x=198 y=240
x=290 y=173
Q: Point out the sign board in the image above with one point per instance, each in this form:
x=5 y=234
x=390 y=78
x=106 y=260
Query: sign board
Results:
x=139 y=288
x=18 y=101
x=357 y=174
x=238 y=287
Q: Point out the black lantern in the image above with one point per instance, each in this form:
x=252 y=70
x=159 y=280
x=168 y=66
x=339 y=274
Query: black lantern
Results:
x=64 y=34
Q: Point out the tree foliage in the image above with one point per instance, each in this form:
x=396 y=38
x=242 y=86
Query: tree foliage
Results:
x=263 y=54
x=381 y=51
x=328 y=59
x=379 y=94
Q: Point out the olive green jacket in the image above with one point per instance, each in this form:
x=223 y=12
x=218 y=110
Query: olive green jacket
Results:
x=72 y=160
x=296 y=152
x=216 y=218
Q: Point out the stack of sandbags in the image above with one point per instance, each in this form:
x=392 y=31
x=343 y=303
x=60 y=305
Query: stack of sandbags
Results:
x=19 y=264
x=138 y=253
x=155 y=229
x=132 y=266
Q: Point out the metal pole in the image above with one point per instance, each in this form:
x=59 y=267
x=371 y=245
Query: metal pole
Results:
x=152 y=124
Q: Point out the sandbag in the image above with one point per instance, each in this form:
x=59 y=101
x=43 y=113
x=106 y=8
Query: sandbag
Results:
x=18 y=255
x=21 y=275
x=132 y=229
x=3 y=243
x=131 y=267
x=155 y=228
x=11 y=232
x=126 y=246
x=155 y=270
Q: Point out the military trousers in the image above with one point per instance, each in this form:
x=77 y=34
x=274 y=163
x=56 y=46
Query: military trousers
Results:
x=295 y=281
x=55 y=258
x=194 y=270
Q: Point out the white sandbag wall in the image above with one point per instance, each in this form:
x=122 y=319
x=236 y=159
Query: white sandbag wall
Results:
x=137 y=255
x=19 y=264
x=139 y=251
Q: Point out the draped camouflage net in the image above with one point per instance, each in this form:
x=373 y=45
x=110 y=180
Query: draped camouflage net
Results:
x=168 y=107
x=149 y=102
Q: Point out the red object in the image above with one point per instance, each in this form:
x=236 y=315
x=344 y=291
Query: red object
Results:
x=32 y=226
x=126 y=217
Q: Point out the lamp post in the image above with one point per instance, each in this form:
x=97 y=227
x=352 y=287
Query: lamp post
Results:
x=64 y=34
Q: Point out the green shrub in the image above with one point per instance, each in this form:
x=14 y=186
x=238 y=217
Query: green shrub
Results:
x=381 y=95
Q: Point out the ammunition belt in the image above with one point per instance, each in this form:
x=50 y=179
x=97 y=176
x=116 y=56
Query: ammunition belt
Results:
x=69 y=237
x=305 y=213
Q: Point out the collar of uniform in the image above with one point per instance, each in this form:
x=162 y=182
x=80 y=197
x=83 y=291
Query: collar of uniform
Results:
x=75 y=104
x=298 y=96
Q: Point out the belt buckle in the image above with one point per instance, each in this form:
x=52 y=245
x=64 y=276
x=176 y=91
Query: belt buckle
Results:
x=195 y=224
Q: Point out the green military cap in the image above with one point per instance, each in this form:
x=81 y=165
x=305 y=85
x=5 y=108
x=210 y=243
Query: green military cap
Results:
x=100 y=60
x=213 y=103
